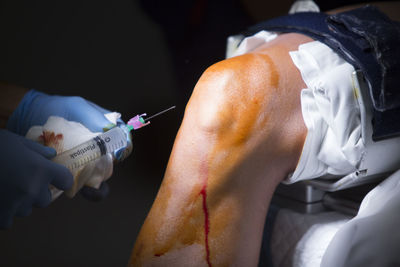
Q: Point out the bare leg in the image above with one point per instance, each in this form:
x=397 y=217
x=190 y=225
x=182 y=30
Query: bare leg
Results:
x=242 y=134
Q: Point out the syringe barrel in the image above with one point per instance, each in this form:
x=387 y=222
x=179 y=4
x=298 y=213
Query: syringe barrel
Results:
x=92 y=149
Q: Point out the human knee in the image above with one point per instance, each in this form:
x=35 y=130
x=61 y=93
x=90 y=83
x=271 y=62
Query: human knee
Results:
x=233 y=94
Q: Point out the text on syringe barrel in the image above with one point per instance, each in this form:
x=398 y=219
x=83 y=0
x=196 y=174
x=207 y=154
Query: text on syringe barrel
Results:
x=93 y=149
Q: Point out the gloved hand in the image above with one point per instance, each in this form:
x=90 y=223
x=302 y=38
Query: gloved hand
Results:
x=94 y=194
x=36 y=107
x=26 y=173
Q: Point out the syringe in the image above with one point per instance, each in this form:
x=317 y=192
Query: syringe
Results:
x=108 y=142
x=138 y=121
x=96 y=147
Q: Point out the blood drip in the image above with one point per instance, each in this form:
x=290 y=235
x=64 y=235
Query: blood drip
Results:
x=203 y=193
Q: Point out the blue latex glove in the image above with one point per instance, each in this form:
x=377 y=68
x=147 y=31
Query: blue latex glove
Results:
x=36 y=107
x=26 y=173
x=94 y=194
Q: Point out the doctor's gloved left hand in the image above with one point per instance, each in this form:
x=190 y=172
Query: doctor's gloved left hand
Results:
x=36 y=107
x=26 y=173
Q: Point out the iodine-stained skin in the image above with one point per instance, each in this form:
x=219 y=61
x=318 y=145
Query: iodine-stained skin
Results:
x=242 y=134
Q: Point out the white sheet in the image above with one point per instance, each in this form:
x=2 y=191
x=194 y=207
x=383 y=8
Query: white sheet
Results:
x=300 y=240
x=372 y=238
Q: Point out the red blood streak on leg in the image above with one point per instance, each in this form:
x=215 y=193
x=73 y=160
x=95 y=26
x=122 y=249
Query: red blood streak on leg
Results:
x=203 y=193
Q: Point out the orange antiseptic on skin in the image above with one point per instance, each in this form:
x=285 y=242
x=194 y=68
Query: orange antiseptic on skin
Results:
x=187 y=231
x=238 y=118
x=236 y=126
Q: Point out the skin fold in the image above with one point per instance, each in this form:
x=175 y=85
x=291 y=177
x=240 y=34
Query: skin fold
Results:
x=241 y=135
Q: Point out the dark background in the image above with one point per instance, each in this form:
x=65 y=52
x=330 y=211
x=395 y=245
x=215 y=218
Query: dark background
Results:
x=127 y=56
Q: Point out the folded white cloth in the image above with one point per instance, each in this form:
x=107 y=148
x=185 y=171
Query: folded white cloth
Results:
x=331 y=112
x=237 y=45
x=63 y=135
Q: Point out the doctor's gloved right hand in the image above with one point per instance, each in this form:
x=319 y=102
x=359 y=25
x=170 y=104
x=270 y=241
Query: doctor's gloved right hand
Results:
x=26 y=173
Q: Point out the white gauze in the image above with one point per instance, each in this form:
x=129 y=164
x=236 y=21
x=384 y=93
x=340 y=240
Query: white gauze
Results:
x=63 y=135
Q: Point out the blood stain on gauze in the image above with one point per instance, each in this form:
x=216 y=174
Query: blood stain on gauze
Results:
x=50 y=139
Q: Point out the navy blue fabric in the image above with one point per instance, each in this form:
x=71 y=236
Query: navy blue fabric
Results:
x=376 y=35
x=367 y=39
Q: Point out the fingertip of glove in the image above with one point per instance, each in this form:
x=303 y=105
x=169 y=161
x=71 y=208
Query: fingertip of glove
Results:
x=62 y=177
x=50 y=152
x=69 y=181
x=99 y=124
x=95 y=195
x=45 y=151
x=44 y=199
